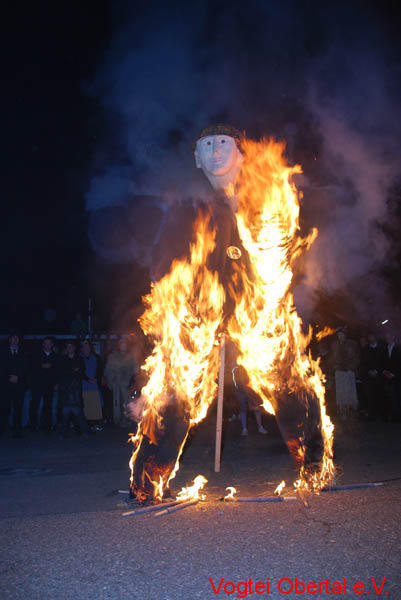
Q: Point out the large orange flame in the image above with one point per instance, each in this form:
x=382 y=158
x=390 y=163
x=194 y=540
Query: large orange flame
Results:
x=184 y=317
x=266 y=326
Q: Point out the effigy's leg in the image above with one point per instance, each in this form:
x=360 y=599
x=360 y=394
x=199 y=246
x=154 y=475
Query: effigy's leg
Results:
x=157 y=453
x=182 y=318
x=299 y=420
x=291 y=388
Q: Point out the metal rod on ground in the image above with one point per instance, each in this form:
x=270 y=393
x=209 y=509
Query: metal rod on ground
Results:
x=123 y=491
x=153 y=508
x=179 y=506
x=220 y=396
x=351 y=486
x=262 y=499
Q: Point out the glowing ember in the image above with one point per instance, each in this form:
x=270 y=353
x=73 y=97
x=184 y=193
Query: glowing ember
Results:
x=230 y=495
x=192 y=492
x=158 y=488
x=324 y=333
x=279 y=488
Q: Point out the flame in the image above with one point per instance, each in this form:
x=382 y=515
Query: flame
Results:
x=184 y=318
x=183 y=315
x=279 y=488
x=158 y=488
x=324 y=333
x=192 y=492
x=230 y=495
x=266 y=327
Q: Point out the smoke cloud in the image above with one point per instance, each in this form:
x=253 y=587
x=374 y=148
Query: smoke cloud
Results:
x=325 y=81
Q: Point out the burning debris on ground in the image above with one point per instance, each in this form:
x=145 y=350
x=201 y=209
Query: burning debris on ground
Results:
x=189 y=496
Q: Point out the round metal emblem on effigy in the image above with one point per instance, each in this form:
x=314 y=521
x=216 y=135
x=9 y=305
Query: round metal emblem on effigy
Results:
x=234 y=252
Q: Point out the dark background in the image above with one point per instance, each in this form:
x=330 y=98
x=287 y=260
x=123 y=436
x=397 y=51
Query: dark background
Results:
x=49 y=134
x=55 y=126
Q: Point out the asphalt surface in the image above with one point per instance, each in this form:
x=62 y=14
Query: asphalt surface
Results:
x=63 y=535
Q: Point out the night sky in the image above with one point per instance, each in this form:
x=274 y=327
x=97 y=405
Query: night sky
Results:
x=50 y=127
x=68 y=120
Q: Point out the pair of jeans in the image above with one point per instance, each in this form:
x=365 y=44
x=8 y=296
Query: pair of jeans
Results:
x=12 y=398
x=76 y=415
x=47 y=392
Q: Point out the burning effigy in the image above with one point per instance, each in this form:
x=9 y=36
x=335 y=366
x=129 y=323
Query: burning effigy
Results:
x=235 y=282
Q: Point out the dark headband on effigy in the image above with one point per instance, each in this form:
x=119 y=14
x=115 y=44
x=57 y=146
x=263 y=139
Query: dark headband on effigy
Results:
x=219 y=129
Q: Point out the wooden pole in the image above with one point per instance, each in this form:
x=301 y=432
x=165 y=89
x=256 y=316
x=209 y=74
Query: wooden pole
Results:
x=220 y=396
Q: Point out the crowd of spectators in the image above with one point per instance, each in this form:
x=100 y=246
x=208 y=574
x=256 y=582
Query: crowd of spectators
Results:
x=73 y=385
x=86 y=388
x=363 y=377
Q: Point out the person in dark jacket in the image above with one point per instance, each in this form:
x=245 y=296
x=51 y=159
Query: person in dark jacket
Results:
x=391 y=372
x=344 y=361
x=91 y=385
x=13 y=377
x=71 y=373
x=43 y=380
x=371 y=369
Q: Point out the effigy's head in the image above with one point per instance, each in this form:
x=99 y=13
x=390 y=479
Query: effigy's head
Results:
x=217 y=153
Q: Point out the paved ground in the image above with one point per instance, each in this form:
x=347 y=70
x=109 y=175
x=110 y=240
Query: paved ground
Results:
x=63 y=537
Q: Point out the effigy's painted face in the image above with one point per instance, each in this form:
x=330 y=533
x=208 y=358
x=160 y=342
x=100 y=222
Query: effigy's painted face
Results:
x=219 y=158
x=216 y=154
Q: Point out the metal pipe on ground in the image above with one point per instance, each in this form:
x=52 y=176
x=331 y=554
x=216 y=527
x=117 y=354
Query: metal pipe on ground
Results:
x=351 y=486
x=179 y=506
x=147 y=509
x=262 y=499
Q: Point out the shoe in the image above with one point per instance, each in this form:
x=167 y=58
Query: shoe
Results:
x=261 y=429
x=244 y=432
x=232 y=418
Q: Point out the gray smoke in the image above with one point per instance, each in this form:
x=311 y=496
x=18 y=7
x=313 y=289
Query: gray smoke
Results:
x=314 y=77
x=357 y=117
